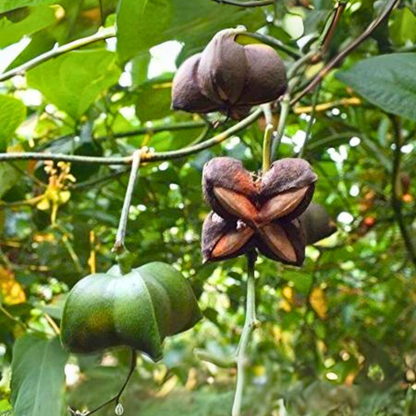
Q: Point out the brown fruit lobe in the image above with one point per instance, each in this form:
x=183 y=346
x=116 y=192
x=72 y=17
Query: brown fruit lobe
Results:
x=281 y=205
x=276 y=239
x=222 y=70
x=186 y=95
x=232 y=242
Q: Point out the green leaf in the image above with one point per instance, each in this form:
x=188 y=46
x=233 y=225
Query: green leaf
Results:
x=154 y=100
x=7 y=5
x=138 y=309
x=387 y=81
x=403 y=27
x=38 y=376
x=37 y=19
x=75 y=80
x=146 y=23
x=12 y=114
x=9 y=176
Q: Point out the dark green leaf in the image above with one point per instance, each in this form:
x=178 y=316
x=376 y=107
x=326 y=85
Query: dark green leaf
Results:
x=387 y=81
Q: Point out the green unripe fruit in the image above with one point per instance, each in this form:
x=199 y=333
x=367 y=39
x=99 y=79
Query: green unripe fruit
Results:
x=138 y=309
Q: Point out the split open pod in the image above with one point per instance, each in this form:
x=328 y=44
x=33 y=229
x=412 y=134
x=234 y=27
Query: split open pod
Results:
x=260 y=212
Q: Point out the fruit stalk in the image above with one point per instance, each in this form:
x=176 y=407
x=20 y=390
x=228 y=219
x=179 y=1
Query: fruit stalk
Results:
x=119 y=247
x=249 y=326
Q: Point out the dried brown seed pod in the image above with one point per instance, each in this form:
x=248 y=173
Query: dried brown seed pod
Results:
x=282 y=241
x=316 y=223
x=223 y=239
x=186 y=94
x=229 y=189
x=229 y=77
x=286 y=190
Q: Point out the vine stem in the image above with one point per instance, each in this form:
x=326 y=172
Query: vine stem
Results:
x=395 y=201
x=103 y=34
x=147 y=156
x=246 y=3
x=119 y=246
x=249 y=325
x=116 y=398
x=284 y=112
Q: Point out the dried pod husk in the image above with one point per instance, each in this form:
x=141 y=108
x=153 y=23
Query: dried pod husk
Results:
x=186 y=94
x=282 y=241
x=266 y=75
x=223 y=239
x=286 y=190
x=316 y=223
x=229 y=189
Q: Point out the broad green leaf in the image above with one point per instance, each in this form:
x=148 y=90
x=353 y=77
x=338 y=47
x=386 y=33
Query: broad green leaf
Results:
x=75 y=80
x=12 y=114
x=146 y=23
x=37 y=19
x=153 y=100
x=38 y=376
x=9 y=176
x=387 y=81
x=7 y=5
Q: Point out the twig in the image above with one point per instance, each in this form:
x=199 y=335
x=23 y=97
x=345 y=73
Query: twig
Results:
x=341 y=55
x=146 y=157
x=121 y=232
x=395 y=201
x=116 y=398
x=284 y=112
x=76 y=44
x=329 y=34
x=246 y=3
x=311 y=122
x=249 y=326
x=275 y=43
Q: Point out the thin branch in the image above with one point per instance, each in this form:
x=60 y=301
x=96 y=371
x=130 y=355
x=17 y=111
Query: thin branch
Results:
x=146 y=157
x=116 y=398
x=284 y=112
x=249 y=325
x=246 y=3
x=311 y=122
x=346 y=51
x=329 y=33
x=121 y=232
x=275 y=43
x=103 y=34
x=395 y=201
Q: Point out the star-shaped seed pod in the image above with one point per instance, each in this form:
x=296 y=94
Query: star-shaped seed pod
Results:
x=262 y=212
x=229 y=77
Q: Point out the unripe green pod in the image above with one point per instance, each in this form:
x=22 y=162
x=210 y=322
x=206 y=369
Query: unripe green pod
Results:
x=138 y=309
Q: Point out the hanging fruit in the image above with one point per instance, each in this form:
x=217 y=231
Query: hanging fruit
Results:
x=229 y=77
x=262 y=212
x=138 y=309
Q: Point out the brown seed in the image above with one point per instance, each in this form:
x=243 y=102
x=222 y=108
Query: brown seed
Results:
x=232 y=242
x=278 y=242
x=281 y=205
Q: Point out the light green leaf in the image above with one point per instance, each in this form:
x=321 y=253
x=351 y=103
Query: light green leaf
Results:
x=387 y=81
x=403 y=28
x=75 y=80
x=7 y=5
x=9 y=176
x=146 y=23
x=12 y=114
x=37 y=19
x=38 y=376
